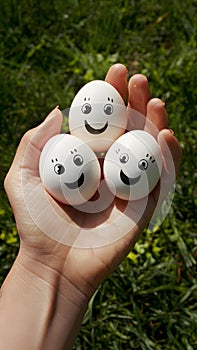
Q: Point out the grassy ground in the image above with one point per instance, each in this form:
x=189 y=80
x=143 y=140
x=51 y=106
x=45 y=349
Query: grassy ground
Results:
x=47 y=51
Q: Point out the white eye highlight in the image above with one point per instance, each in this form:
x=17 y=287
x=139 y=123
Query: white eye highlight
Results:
x=86 y=108
x=124 y=157
x=108 y=109
x=78 y=160
x=59 y=169
x=143 y=164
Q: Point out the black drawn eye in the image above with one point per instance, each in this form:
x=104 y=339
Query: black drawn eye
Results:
x=86 y=108
x=124 y=158
x=78 y=160
x=143 y=164
x=108 y=109
x=59 y=169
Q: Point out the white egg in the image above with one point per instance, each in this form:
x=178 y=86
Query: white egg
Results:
x=133 y=165
x=98 y=115
x=69 y=169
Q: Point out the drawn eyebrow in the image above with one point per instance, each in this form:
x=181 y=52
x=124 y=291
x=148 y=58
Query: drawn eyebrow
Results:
x=74 y=151
x=150 y=158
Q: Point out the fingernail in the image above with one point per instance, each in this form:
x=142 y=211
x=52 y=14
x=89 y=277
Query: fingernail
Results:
x=52 y=113
x=169 y=130
x=121 y=67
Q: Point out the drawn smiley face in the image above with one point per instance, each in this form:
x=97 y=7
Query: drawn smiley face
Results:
x=133 y=165
x=98 y=115
x=69 y=169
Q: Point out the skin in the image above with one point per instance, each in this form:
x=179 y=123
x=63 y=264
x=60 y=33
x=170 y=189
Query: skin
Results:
x=46 y=293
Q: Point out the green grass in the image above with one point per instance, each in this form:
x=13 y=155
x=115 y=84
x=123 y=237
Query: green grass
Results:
x=48 y=50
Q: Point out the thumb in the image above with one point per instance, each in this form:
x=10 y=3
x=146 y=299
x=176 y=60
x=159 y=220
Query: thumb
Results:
x=32 y=143
x=30 y=147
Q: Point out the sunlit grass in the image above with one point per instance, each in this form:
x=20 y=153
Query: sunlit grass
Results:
x=48 y=50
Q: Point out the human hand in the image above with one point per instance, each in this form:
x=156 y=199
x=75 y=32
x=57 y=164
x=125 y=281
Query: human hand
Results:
x=84 y=268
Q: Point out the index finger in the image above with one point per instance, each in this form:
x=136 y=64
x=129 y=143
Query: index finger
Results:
x=139 y=93
x=117 y=76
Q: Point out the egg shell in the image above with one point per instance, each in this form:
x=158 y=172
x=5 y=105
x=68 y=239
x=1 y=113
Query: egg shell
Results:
x=98 y=115
x=69 y=169
x=133 y=165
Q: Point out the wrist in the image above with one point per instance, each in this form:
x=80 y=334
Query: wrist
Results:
x=67 y=303
x=46 y=310
x=55 y=268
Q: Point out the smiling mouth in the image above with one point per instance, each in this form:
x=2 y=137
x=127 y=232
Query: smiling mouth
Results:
x=129 y=180
x=94 y=131
x=76 y=184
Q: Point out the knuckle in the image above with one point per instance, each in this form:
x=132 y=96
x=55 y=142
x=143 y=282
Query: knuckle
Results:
x=27 y=136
